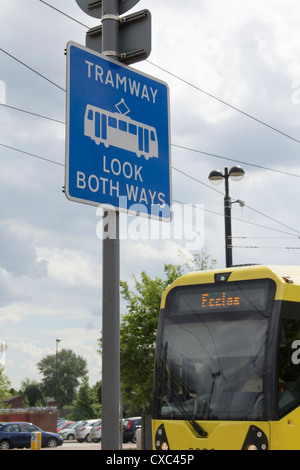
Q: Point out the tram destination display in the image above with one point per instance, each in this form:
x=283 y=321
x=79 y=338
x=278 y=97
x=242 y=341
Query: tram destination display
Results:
x=232 y=296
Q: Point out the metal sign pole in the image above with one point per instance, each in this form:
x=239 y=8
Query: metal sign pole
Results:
x=110 y=439
x=134 y=37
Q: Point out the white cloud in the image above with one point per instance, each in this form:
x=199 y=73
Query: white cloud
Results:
x=245 y=53
x=71 y=267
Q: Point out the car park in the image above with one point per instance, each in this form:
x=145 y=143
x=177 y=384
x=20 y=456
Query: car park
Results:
x=82 y=432
x=68 y=433
x=18 y=435
x=96 y=431
x=129 y=426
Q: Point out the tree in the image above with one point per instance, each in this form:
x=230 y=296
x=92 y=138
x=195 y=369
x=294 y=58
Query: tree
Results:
x=138 y=337
x=4 y=388
x=32 y=394
x=138 y=331
x=198 y=261
x=71 y=370
x=87 y=404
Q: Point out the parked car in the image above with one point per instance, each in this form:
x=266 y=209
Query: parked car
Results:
x=68 y=433
x=60 y=422
x=130 y=425
x=62 y=426
x=96 y=431
x=82 y=432
x=18 y=434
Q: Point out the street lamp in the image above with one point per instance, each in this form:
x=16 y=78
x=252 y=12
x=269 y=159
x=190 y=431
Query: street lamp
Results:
x=236 y=173
x=58 y=340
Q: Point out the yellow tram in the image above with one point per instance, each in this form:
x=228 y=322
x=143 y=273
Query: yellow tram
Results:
x=227 y=366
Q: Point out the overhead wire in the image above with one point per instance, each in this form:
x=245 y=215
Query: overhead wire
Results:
x=32 y=113
x=173 y=167
x=222 y=157
x=32 y=154
x=32 y=69
x=178 y=146
x=236 y=161
x=244 y=205
x=193 y=86
x=235 y=218
x=63 y=13
x=179 y=202
x=271 y=218
x=235 y=108
x=224 y=102
x=263 y=238
x=268 y=247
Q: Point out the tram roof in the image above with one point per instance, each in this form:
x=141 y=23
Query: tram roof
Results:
x=284 y=275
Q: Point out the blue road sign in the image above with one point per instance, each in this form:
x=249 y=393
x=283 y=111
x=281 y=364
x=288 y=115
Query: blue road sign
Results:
x=118 y=140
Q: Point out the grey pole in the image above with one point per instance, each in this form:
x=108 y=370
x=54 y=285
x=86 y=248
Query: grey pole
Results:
x=110 y=439
x=227 y=214
x=110 y=28
x=58 y=340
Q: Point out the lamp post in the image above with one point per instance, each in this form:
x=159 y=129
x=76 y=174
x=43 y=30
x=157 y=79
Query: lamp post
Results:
x=236 y=173
x=58 y=340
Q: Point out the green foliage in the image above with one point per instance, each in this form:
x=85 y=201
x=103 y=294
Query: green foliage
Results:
x=139 y=328
x=86 y=401
x=198 y=261
x=33 y=395
x=71 y=370
x=137 y=342
x=138 y=337
x=4 y=388
x=87 y=404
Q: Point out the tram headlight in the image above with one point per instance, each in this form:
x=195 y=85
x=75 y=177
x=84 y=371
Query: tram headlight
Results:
x=254 y=447
x=161 y=441
x=256 y=439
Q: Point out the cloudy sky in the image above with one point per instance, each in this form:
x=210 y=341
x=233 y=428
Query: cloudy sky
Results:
x=233 y=70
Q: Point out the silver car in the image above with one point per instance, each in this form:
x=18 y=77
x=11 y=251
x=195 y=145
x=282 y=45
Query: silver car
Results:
x=82 y=432
x=68 y=433
x=96 y=431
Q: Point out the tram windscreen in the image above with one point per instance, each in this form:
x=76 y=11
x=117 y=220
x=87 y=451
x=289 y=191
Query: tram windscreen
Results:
x=213 y=349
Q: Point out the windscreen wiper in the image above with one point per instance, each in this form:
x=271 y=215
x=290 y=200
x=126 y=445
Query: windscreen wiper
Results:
x=214 y=375
x=190 y=419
